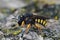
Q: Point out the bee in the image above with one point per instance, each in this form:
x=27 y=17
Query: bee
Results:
x=30 y=19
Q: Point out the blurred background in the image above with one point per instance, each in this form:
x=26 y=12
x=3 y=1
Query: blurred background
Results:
x=10 y=10
x=7 y=6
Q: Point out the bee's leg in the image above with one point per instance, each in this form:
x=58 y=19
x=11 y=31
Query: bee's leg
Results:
x=23 y=23
x=28 y=27
x=38 y=26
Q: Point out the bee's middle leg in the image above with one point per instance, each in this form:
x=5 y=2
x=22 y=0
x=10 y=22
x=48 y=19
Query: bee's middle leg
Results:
x=28 y=27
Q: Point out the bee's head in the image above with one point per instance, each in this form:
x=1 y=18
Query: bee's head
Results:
x=23 y=17
x=20 y=19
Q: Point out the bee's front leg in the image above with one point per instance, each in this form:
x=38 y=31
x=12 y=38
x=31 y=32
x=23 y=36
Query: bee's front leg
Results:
x=23 y=23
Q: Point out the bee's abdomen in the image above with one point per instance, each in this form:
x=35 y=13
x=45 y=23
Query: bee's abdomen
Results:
x=41 y=21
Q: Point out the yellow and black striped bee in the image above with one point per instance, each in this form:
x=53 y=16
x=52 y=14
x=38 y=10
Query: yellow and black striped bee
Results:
x=30 y=19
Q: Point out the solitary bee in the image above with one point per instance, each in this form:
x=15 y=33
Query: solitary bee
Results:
x=30 y=19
